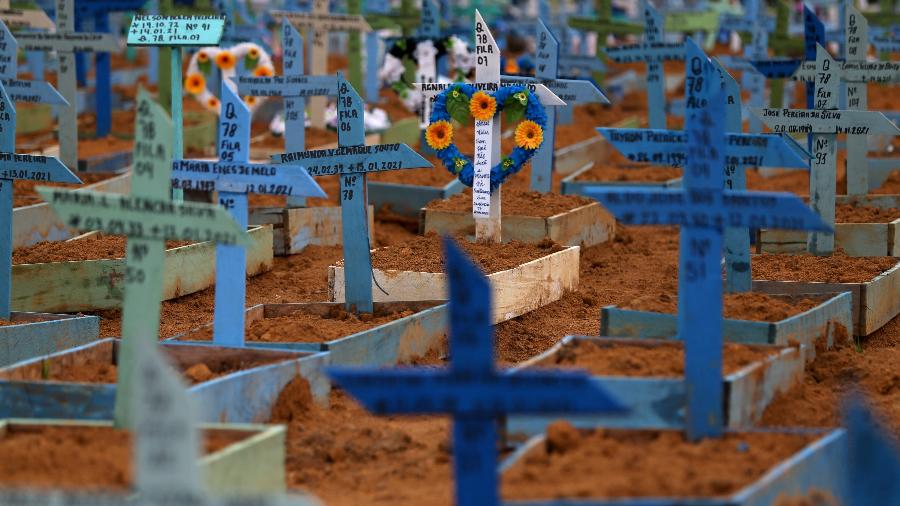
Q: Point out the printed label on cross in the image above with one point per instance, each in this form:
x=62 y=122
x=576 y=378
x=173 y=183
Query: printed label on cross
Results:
x=318 y=24
x=148 y=217
x=654 y=50
x=66 y=42
x=33 y=92
x=15 y=166
x=824 y=123
x=472 y=389
x=571 y=91
x=234 y=177
x=351 y=160
x=703 y=210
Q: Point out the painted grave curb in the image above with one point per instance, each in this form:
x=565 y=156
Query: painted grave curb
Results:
x=44 y=333
x=516 y=291
x=659 y=402
x=99 y=284
x=818 y=466
x=245 y=396
x=585 y=225
x=37 y=222
x=295 y=228
x=874 y=302
x=391 y=343
x=804 y=328
x=254 y=464
x=856 y=239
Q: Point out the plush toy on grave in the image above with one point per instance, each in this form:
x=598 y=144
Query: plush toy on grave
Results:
x=374 y=119
x=460 y=102
x=243 y=59
x=423 y=51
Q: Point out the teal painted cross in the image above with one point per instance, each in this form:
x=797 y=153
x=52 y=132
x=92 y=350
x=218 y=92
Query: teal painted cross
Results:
x=19 y=90
x=704 y=210
x=472 y=389
x=176 y=32
x=351 y=161
x=824 y=123
x=148 y=217
x=233 y=177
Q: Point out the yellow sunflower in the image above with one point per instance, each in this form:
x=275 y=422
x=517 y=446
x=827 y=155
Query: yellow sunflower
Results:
x=264 y=71
x=225 y=60
x=253 y=53
x=195 y=84
x=482 y=106
x=250 y=100
x=439 y=135
x=529 y=135
x=202 y=57
x=213 y=103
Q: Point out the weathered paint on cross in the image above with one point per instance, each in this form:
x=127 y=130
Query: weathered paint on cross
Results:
x=703 y=209
x=12 y=167
x=318 y=24
x=654 y=50
x=472 y=389
x=233 y=177
x=824 y=123
x=66 y=42
x=148 y=218
x=572 y=91
x=19 y=90
x=351 y=161
x=873 y=469
x=176 y=32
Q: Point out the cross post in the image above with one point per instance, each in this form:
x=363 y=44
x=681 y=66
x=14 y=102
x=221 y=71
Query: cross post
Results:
x=604 y=25
x=823 y=124
x=874 y=457
x=20 y=90
x=472 y=389
x=351 y=161
x=148 y=217
x=67 y=42
x=704 y=209
x=176 y=32
x=233 y=177
x=318 y=24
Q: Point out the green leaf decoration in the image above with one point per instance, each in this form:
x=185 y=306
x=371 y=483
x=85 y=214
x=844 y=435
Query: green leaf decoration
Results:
x=205 y=67
x=250 y=63
x=514 y=109
x=458 y=107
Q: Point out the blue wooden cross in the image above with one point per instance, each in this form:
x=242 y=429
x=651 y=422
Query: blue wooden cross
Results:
x=472 y=389
x=234 y=177
x=351 y=161
x=757 y=50
x=19 y=90
x=703 y=210
x=749 y=20
x=14 y=166
x=873 y=470
x=571 y=91
x=654 y=50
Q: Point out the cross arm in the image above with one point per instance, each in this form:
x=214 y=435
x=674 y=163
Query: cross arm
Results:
x=605 y=26
x=40 y=92
x=570 y=91
x=807 y=121
x=778 y=68
x=646 y=52
x=188 y=30
x=328 y=22
x=287 y=86
x=271 y=179
x=35 y=168
x=544 y=94
x=31 y=18
x=854 y=71
x=355 y=159
x=67 y=42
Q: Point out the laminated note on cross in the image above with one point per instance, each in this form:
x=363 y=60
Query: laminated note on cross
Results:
x=571 y=91
x=148 y=217
x=318 y=24
x=703 y=209
x=472 y=390
x=176 y=32
x=67 y=42
x=233 y=177
x=653 y=51
x=24 y=167
x=351 y=161
x=19 y=90
x=873 y=469
x=295 y=88
x=824 y=123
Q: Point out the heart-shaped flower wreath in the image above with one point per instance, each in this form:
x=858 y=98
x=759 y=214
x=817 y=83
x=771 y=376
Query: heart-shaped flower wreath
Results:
x=461 y=101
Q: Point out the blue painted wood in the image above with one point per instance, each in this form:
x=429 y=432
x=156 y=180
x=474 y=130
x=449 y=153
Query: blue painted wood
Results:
x=389 y=344
x=874 y=464
x=42 y=333
x=239 y=397
x=471 y=388
x=701 y=212
x=570 y=185
x=817 y=467
x=804 y=328
x=19 y=90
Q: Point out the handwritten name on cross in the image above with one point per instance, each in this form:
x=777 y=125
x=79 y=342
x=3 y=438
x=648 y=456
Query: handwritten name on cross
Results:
x=472 y=389
x=704 y=209
x=319 y=23
x=654 y=50
x=66 y=42
x=351 y=161
x=824 y=123
x=233 y=177
x=571 y=91
x=148 y=217
x=176 y=32
x=14 y=166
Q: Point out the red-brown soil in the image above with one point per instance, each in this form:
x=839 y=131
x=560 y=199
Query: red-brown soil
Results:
x=751 y=306
x=92 y=247
x=837 y=268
